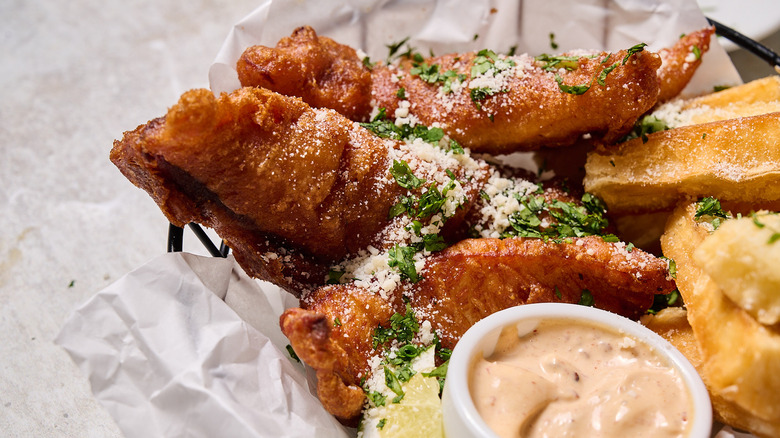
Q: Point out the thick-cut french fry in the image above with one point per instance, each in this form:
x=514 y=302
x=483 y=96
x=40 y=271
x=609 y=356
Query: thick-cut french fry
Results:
x=758 y=91
x=732 y=160
x=672 y=324
x=761 y=96
x=739 y=355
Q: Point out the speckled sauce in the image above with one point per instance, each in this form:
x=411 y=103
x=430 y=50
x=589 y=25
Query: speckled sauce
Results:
x=573 y=379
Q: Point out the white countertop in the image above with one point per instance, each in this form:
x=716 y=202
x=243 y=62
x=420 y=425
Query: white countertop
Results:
x=76 y=74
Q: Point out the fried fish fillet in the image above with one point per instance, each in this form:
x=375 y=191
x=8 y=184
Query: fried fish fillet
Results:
x=679 y=62
x=291 y=189
x=297 y=191
x=487 y=102
x=333 y=330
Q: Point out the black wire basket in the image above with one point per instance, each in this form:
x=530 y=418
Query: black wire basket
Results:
x=176 y=234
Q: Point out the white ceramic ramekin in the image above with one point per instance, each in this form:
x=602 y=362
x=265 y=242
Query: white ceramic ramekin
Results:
x=461 y=419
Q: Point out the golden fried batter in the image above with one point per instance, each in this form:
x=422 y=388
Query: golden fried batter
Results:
x=323 y=73
x=679 y=62
x=461 y=285
x=297 y=192
x=506 y=104
x=289 y=188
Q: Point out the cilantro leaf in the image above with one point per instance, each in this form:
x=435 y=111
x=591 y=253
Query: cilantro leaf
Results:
x=633 y=50
x=571 y=89
x=404 y=177
x=586 y=299
x=402 y=258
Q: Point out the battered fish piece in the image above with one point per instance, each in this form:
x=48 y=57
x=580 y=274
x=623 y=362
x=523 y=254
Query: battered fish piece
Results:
x=291 y=189
x=324 y=73
x=679 y=62
x=487 y=102
x=334 y=328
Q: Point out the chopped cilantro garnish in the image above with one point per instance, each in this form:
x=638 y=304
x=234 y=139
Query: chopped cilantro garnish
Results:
x=381 y=423
x=433 y=242
x=709 y=209
x=553 y=63
x=334 y=277
x=586 y=299
x=646 y=125
x=394 y=48
x=367 y=63
x=376 y=398
x=336 y=322
x=404 y=177
x=456 y=148
x=661 y=301
x=401 y=93
x=553 y=44
x=717 y=88
x=558 y=293
x=571 y=220
x=571 y=89
x=634 y=49
x=428 y=73
x=673 y=297
x=402 y=258
x=696 y=52
x=292 y=354
x=481 y=93
x=403 y=328
x=672 y=266
x=610 y=238
x=440 y=373
x=773 y=238
x=603 y=75
x=756 y=222
x=432 y=75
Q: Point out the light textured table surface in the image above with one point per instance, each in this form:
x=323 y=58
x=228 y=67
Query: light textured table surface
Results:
x=75 y=75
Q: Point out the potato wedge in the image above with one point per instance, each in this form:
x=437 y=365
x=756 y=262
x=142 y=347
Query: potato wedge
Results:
x=740 y=357
x=762 y=90
x=731 y=160
x=741 y=257
x=672 y=324
x=757 y=97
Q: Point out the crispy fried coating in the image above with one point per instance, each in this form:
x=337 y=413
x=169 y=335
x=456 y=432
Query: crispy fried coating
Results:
x=518 y=104
x=528 y=108
x=289 y=188
x=323 y=73
x=739 y=355
x=679 y=62
x=461 y=285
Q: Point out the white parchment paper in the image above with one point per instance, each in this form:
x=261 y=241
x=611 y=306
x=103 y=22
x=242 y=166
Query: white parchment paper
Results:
x=446 y=26
x=168 y=354
x=189 y=346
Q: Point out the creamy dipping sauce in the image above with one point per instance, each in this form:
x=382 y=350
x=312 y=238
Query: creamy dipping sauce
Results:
x=574 y=379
